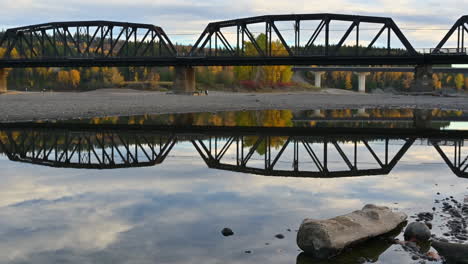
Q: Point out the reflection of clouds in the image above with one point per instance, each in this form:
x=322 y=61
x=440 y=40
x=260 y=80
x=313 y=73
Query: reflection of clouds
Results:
x=79 y=223
x=174 y=212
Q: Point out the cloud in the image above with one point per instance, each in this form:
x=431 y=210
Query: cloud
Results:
x=179 y=207
x=191 y=16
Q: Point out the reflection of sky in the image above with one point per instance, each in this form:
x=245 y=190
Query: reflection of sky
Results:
x=173 y=213
x=458 y=126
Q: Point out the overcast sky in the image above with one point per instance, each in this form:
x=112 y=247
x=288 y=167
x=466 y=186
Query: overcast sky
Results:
x=191 y=16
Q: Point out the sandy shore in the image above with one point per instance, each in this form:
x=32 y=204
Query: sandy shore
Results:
x=109 y=102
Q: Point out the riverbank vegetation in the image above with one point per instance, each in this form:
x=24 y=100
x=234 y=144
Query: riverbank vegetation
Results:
x=228 y=78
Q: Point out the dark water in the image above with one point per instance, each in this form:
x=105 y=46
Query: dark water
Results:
x=128 y=190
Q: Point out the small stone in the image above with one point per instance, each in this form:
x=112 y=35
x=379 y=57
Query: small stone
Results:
x=433 y=208
x=429 y=224
x=279 y=236
x=438 y=193
x=267 y=244
x=414 y=257
x=248 y=252
x=227 y=232
x=426 y=216
x=289 y=230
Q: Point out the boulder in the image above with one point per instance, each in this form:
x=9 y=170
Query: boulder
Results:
x=418 y=231
x=327 y=238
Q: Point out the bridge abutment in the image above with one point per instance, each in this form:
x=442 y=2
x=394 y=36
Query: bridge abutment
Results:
x=3 y=81
x=362 y=81
x=184 y=80
x=318 y=79
x=422 y=79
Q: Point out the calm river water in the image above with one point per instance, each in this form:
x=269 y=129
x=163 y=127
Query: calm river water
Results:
x=133 y=191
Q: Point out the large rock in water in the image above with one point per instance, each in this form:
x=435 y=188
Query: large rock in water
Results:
x=453 y=253
x=327 y=238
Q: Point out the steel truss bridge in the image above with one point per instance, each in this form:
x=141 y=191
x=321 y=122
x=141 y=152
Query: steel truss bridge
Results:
x=106 y=43
x=289 y=152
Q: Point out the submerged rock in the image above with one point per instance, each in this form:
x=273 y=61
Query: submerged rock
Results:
x=418 y=231
x=227 y=232
x=453 y=253
x=327 y=238
x=279 y=236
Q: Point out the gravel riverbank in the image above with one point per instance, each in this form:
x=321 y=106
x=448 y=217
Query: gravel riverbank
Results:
x=113 y=102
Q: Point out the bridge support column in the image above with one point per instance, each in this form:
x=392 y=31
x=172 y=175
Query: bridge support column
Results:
x=3 y=80
x=318 y=79
x=361 y=112
x=362 y=81
x=184 y=80
x=422 y=79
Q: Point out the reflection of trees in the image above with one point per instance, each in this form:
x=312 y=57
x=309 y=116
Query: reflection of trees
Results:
x=267 y=118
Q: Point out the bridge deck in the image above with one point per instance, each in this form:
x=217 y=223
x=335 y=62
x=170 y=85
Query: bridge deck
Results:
x=234 y=61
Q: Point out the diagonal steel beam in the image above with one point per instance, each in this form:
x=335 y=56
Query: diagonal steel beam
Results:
x=278 y=33
x=345 y=36
x=253 y=41
x=375 y=38
x=225 y=42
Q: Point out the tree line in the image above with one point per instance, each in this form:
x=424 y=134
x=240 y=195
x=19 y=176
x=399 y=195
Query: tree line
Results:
x=215 y=77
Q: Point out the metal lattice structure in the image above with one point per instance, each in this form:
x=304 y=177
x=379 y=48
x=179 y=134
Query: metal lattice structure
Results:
x=460 y=29
x=86 y=39
x=459 y=163
x=117 y=44
x=304 y=149
x=94 y=150
x=213 y=38
x=311 y=156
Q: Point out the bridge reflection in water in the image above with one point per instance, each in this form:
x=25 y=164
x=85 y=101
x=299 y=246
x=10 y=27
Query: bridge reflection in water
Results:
x=289 y=152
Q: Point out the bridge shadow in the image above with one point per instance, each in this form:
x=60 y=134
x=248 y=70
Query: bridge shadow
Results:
x=282 y=152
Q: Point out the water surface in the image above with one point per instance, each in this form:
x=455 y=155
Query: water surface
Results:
x=113 y=194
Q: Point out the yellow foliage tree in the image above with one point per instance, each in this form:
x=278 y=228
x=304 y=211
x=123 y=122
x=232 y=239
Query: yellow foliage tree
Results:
x=436 y=81
x=459 y=81
x=348 y=81
x=75 y=78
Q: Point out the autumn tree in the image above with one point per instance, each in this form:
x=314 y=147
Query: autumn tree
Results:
x=348 y=81
x=459 y=81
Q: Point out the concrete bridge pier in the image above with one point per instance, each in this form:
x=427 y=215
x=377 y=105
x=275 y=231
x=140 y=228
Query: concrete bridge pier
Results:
x=361 y=112
x=3 y=80
x=184 y=80
x=318 y=79
x=422 y=79
x=362 y=81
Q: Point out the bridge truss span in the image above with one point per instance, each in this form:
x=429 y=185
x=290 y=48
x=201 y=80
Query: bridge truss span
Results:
x=85 y=40
x=274 y=153
x=214 y=42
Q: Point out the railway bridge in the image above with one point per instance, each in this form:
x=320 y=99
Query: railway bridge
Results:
x=311 y=41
